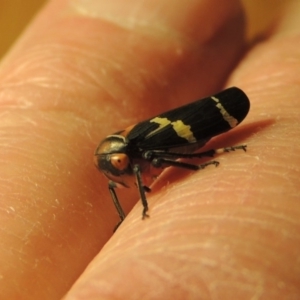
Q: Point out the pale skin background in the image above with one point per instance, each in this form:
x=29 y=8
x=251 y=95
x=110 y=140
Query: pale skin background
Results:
x=84 y=69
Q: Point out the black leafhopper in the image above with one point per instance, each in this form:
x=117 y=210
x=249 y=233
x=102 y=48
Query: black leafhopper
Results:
x=137 y=155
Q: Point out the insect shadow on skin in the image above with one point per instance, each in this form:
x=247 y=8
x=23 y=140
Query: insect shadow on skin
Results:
x=134 y=157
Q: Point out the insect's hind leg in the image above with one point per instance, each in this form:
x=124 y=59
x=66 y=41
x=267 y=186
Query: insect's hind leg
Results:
x=150 y=155
x=232 y=148
x=160 y=162
x=213 y=152
x=167 y=159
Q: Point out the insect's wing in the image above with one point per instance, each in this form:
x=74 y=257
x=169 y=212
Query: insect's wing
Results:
x=196 y=122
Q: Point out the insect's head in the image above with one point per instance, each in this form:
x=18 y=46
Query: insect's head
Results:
x=111 y=158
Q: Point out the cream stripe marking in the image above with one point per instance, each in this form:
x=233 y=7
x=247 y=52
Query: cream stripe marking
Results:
x=182 y=130
x=227 y=117
x=163 y=122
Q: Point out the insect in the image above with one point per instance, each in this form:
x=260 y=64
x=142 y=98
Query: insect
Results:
x=137 y=155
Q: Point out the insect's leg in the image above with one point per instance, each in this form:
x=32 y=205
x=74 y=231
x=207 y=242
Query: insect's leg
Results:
x=137 y=172
x=213 y=152
x=160 y=162
x=161 y=159
x=232 y=148
x=111 y=188
x=208 y=153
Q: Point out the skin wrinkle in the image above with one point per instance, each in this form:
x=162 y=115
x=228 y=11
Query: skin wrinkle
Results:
x=28 y=137
x=223 y=267
x=135 y=78
x=45 y=173
x=184 y=249
x=186 y=258
x=248 y=288
x=51 y=66
x=265 y=226
x=163 y=275
x=7 y=101
x=36 y=59
x=168 y=255
x=263 y=212
x=137 y=20
x=133 y=22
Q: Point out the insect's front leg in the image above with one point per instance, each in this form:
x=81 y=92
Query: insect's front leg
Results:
x=142 y=189
x=111 y=188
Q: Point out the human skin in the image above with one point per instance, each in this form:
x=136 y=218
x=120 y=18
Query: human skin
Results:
x=85 y=69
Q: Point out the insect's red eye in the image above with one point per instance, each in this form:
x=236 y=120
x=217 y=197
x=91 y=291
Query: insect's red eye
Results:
x=120 y=161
